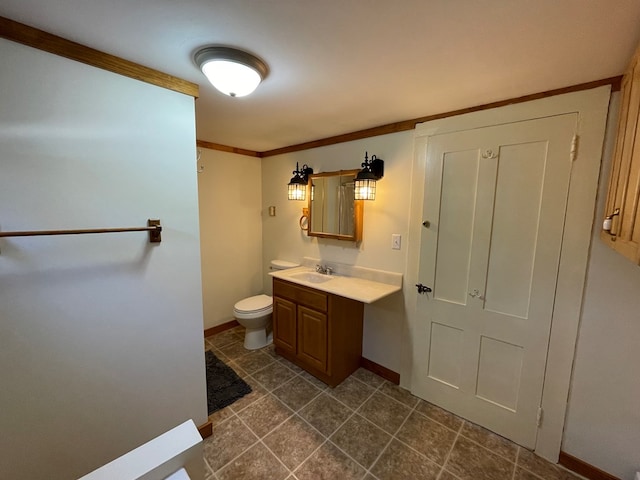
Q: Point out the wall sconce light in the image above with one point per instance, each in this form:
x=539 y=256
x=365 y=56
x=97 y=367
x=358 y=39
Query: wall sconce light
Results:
x=233 y=72
x=297 y=187
x=365 y=183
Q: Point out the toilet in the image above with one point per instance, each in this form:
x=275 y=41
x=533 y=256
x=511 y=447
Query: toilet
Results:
x=254 y=313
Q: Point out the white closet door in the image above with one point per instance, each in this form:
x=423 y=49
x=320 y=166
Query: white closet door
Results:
x=495 y=199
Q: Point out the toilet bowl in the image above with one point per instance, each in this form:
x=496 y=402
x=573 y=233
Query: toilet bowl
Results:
x=254 y=313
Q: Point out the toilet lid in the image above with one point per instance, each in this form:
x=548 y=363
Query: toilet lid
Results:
x=254 y=304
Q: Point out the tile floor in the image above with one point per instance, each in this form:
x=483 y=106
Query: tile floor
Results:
x=294 y=427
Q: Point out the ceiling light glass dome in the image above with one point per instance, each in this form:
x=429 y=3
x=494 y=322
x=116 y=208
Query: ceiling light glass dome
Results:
x=233 y=72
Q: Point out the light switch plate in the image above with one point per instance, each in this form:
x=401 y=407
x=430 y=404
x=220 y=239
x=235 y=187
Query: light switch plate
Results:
x=396 y=240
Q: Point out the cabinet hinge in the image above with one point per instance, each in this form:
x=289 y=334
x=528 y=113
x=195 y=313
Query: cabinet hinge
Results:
x=574 y=148
x=539 y=417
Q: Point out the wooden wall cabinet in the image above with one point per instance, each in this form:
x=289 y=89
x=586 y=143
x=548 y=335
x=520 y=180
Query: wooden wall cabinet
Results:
x=622 y=212
x=318 y=331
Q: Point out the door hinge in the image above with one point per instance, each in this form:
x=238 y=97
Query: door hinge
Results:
x=539 y=417
x=574 y=148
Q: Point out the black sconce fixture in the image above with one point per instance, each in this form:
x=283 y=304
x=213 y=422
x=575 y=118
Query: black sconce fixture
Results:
x=365 y=184
x=297 y=187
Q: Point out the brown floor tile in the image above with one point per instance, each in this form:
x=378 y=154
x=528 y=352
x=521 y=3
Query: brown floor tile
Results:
x=427 y=437
x=440 y=415
x=399 y=462
x=220 y=416
x=326 y=414
x=541 y=467
x=385 y=412
x=208 y=475
x=293 y=441
x=265 y=414
x=470 y=461
x=444 y=475
x=236 y=368
x=254 y=361
x=289 y=365
x=271 y=351
x=361 y=440
x=351 y=392
x=490 y=440
x=229 y=439
x=257 y=392
x=223 y=338
x=233 y=351
x=273 y=375
x=400 y=394
x=522 y=474
x=329 y=463
x=316 y=382
x=257 y=463
x=368 y=377
x=296 y=393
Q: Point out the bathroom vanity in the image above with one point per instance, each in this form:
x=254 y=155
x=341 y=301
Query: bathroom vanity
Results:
x=318 y=319
x=317 y=331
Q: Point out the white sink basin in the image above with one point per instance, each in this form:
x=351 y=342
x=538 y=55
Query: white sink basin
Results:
x=312 y=277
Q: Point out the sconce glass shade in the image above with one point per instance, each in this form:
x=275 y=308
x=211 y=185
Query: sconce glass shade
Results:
x=365 y=188
x=297 y=191
x=231 y=71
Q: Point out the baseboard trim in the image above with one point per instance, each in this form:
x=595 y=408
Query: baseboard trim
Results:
x=220 y=328
x=583 y=468
x=206 y=430
x=378 y=369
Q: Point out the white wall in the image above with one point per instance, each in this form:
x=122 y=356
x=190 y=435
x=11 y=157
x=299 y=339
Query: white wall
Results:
x=385 y=321
x=229 y=191
x=603 y=420
x=100 y=335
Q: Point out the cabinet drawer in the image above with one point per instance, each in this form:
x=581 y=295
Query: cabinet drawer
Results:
x=300 y=295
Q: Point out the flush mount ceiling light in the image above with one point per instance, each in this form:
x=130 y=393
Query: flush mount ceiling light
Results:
x=233 y=72
x=365 y=183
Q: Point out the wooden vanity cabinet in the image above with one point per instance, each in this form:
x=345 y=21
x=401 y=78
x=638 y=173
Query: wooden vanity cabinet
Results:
x=320 y=332
x=623 y=198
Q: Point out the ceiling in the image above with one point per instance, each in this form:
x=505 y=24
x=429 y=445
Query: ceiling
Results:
x=338 y=66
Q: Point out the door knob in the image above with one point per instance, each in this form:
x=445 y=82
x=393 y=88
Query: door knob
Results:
x=423 y=288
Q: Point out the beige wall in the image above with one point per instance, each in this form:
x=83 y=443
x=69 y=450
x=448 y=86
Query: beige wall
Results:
x=385 y=321
x=100 y=335
x=229 y=192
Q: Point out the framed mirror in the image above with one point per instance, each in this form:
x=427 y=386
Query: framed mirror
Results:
x=333 y=210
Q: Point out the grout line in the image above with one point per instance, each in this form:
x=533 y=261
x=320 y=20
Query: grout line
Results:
x=243 y=451
x=310 y=455
x=514 y=461
x=455 y=440
x=327 y=438
x=289 y=471
x=393 y=435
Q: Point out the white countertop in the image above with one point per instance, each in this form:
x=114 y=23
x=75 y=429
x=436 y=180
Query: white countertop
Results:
x=354 y=286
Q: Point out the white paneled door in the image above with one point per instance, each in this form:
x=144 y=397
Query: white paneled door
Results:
x=494 y=210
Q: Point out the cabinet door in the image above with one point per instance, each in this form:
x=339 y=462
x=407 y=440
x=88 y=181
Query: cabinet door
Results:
x=284 y=324
x=312 y=338
x=624 y=183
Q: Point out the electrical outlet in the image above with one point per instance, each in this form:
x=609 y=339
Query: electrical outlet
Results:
x=396 y=240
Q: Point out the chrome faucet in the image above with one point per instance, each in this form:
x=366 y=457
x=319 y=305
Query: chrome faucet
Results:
x=326 y=270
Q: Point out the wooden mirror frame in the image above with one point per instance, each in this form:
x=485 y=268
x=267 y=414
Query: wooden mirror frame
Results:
x=357 y=209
